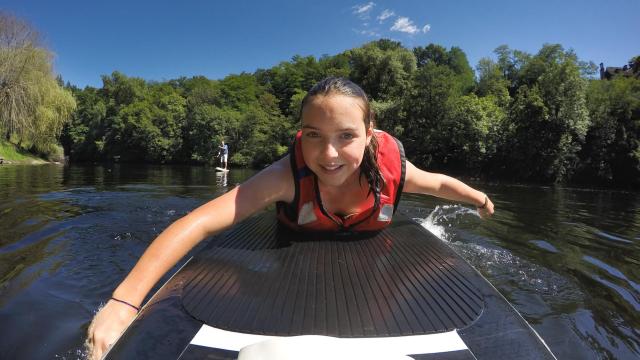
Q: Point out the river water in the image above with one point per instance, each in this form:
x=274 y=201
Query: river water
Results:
x=567 y=259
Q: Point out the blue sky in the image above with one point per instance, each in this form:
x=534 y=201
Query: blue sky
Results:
x=162 y=40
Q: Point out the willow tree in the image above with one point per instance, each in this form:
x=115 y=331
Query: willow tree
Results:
x=33 y=106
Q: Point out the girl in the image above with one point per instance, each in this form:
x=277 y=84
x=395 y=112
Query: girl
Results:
x=340 y=175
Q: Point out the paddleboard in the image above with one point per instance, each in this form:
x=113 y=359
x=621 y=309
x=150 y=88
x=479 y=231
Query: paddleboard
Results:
x=219 y=169
x=259 y=288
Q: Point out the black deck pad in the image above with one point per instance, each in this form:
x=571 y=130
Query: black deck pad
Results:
x=262 y=279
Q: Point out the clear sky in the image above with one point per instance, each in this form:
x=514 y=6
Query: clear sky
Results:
x=162 y=40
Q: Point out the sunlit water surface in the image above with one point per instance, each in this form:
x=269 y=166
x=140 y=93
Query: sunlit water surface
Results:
x=567 y=259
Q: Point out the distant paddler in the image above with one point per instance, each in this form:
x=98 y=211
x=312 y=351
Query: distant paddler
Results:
x=223 y=153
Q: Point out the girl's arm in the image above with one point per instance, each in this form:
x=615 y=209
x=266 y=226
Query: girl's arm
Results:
x=422 y=182
x=275 y=183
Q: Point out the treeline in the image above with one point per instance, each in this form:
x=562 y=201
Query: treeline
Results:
x=521 y=117
x=524 y=117
x=178 y=121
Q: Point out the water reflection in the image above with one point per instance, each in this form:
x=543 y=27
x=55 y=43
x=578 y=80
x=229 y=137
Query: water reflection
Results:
x=221 y=179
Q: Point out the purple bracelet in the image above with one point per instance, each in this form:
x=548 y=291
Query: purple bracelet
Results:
x=126 y=303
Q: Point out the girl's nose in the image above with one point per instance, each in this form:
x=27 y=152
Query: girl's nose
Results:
x=330 y=150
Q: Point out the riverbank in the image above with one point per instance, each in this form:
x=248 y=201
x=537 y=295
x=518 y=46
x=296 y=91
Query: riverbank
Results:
x=12 y=155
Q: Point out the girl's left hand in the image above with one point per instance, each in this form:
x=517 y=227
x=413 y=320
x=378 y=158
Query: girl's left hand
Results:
x=486 y=211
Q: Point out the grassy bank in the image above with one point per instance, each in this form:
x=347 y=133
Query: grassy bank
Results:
x=12 y=155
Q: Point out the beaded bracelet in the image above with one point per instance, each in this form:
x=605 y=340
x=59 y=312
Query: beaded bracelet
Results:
x=126 y=303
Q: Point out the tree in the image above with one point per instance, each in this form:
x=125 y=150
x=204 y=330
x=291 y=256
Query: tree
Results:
x=634 y=64
x=122 y=90
x=337 y=65
x=432 y=53
x=426 y=106
x=382 y=68
x=168 y=115
x=491 y=82
x=295 y=106
x=82 y=137
x=260 y=142
x=611 y=154
x=458 y=63
x=510 y=62
x=206 y=127
x=289 y=78
x=548 y=118
x=470 y=134
x=33 y=106
x=455 y=59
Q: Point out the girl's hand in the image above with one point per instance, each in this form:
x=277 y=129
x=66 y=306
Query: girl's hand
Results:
x=107 y=326
x=486 y=210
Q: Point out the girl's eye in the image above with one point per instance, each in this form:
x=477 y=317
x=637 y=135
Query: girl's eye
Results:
x=312 y=134
x=347 y=136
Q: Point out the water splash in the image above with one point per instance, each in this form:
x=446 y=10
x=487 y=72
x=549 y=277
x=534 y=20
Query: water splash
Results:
x=75 y=354
x=444 y=219
x=454 y=225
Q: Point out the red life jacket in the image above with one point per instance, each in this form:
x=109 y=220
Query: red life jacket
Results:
x=306 y=212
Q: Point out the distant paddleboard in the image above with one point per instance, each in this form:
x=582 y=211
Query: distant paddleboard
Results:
x=221 y=169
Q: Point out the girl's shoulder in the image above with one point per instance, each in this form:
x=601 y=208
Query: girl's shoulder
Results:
x=277 y=179
x=281 y=168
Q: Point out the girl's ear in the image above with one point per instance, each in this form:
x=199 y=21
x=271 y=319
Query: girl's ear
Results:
x=370 y=128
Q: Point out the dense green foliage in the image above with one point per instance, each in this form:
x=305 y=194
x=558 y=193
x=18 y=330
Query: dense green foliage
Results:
x=611 y=153
x=523 y=117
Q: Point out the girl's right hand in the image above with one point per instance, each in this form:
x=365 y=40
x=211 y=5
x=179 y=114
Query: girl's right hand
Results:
x=269 y=186
x=107 y=326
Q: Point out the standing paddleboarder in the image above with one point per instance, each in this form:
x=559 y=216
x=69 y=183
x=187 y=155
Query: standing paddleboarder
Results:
x=223 y=152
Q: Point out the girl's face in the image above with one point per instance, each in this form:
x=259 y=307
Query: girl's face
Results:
x=334 y=137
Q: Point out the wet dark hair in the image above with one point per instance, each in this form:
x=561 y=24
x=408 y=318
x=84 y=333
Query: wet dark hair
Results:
x=341 y=86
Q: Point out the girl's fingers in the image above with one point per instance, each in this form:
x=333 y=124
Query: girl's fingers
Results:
x=107 y=326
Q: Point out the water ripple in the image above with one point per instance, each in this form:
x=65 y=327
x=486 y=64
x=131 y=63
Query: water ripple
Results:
x=544 y=245
x=612 y=237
